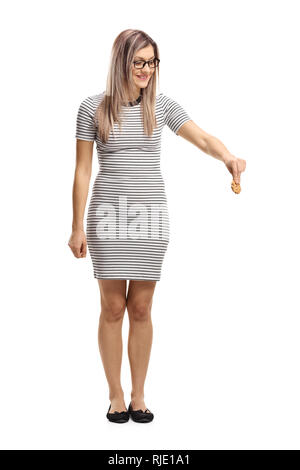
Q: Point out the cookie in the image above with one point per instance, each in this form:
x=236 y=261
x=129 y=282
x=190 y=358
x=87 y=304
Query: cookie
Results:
x=236 y=188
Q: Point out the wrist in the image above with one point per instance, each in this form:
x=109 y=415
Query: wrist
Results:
x=77 y=227
x=227 y=157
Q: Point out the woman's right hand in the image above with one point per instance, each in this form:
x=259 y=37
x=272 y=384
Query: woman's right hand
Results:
x=77 y=243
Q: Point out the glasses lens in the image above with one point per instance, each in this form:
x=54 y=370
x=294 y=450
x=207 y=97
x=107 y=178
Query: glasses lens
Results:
x=152 y=64
x=139 y=64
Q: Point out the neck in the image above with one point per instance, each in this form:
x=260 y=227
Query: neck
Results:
x=137 y=94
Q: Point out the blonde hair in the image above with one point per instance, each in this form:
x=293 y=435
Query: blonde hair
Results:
x=120 y=85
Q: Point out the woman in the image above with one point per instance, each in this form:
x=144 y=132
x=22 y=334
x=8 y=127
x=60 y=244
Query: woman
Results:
x=126 y=122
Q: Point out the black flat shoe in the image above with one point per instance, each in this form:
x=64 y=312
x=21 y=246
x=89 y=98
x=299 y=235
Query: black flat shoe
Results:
x=140 y=416
x=117 y=416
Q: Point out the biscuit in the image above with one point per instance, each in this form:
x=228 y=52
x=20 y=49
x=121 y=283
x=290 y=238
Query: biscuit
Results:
x=236 y=188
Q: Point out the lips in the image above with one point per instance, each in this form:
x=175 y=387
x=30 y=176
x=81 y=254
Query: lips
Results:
x=142 y=77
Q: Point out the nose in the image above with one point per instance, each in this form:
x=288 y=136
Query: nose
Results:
x=146 y=65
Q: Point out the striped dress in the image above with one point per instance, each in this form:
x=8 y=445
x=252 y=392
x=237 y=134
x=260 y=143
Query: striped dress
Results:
x=127 y=221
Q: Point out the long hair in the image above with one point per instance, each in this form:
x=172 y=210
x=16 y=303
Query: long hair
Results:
x=120 y=84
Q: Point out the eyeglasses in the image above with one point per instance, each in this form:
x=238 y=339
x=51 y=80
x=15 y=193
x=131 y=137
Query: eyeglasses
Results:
x=140 y=64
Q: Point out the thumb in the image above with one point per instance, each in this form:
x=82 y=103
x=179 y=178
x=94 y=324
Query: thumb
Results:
x=83 y=250
x=235 y=173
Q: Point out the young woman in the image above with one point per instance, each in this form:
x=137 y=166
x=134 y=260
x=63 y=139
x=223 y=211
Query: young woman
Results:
x=127 y=220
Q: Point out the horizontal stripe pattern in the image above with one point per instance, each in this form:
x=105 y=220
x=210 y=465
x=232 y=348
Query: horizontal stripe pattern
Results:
x=128 y=220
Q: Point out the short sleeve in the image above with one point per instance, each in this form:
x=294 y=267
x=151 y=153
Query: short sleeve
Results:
x=174 y=114
x=85 y=123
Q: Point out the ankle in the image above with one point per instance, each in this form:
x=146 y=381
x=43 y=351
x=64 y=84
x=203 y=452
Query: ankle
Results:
x=116 y=395
x=137 y=396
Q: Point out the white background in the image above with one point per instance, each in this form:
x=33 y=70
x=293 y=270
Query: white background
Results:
x=224 y=367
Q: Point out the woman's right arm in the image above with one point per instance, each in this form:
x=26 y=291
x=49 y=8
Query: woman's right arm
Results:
x=83 y=170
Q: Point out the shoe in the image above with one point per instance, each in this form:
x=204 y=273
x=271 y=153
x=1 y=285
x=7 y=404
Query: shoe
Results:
x=117 y=416
x=140 y=416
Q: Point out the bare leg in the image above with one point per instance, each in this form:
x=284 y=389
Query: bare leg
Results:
x=139 y=304
x=113 y=306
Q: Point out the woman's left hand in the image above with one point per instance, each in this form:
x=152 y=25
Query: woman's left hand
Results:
x=235 y=166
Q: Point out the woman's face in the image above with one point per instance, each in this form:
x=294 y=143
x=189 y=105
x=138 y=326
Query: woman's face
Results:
x=142 y=76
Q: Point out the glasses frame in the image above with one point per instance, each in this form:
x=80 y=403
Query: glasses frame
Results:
x=146 y=62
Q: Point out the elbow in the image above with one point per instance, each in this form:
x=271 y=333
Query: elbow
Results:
x=83 y=171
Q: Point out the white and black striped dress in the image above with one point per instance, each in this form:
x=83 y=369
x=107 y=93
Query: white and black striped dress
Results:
x=127 y=220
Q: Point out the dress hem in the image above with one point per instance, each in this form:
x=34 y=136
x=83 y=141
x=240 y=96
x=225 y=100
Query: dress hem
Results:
x=124 y=278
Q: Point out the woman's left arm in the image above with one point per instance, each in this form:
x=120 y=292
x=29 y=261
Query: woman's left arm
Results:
x=212 y=146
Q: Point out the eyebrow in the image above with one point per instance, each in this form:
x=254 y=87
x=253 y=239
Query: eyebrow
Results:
x=138 y=57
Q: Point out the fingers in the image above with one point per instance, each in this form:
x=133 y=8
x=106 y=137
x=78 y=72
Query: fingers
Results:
x=236 y=173
x=76 y=251
x=83 y=250
x=238 y=166
x=78 y=248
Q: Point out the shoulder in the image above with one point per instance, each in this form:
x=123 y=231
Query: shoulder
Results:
x=162 y=98
x=91 y=102
x=96 y=99
x=165 y=101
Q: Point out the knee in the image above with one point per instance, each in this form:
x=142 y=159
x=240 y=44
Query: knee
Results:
x=113 y=310
x=139 y=311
